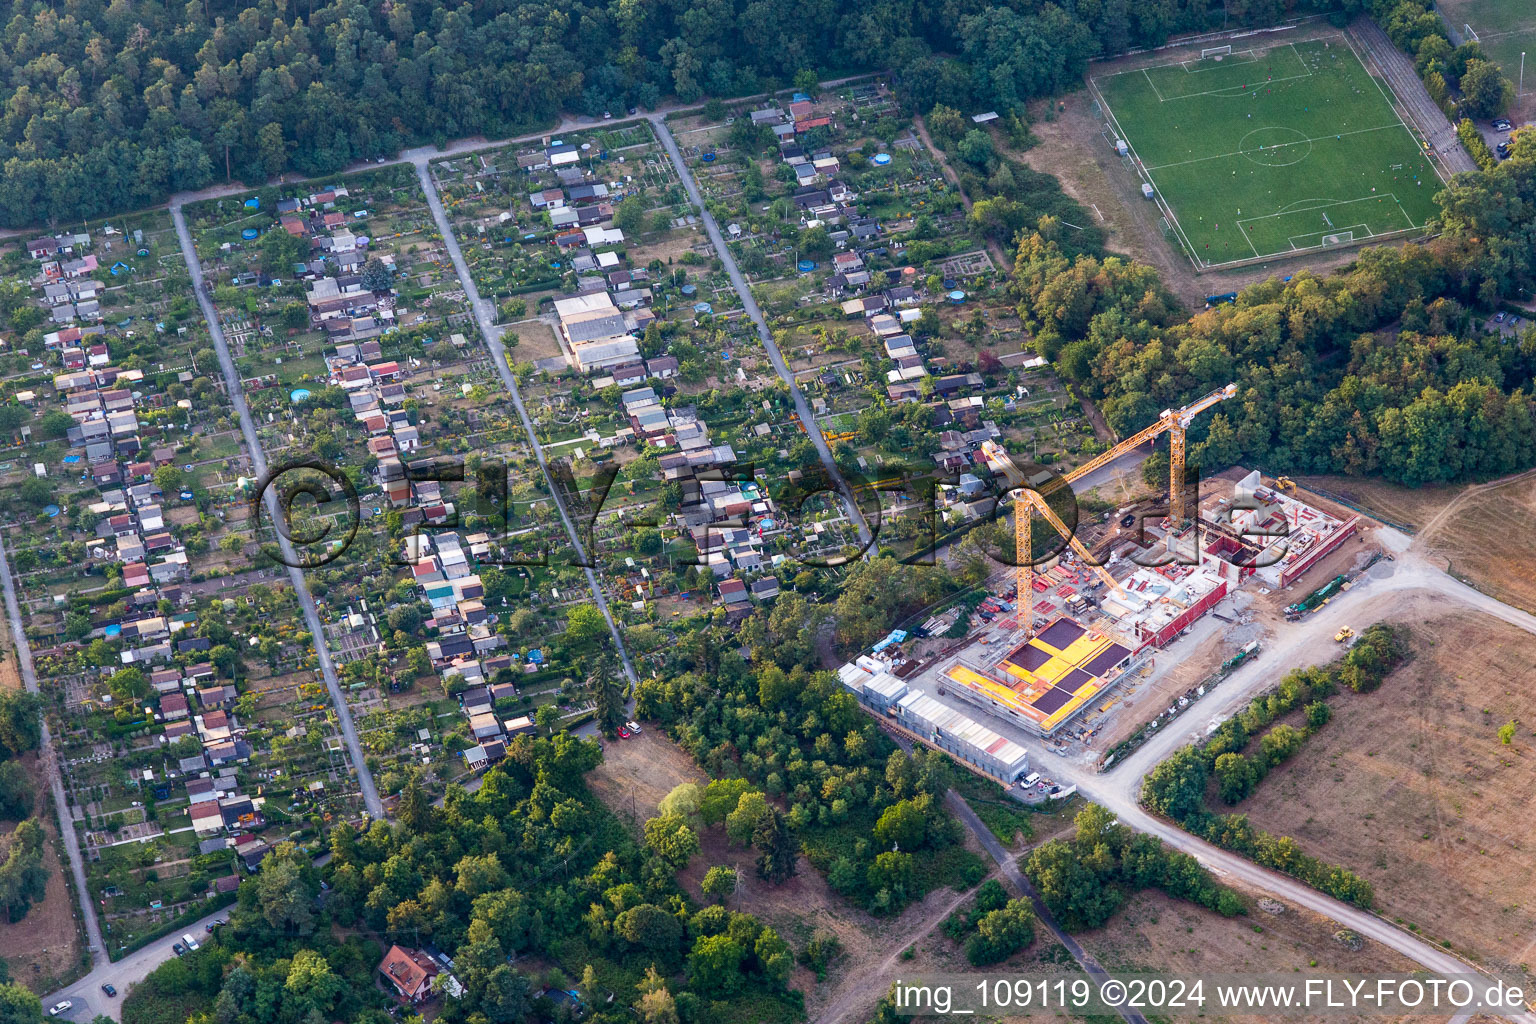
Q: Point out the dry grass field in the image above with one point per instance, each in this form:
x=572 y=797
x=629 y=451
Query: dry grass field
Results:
x=10 y=673
x=1412 y=788
x=1411 y=506
x=1487 y=537
x=636 y=773
x=1481 y=530
x=42 y=948
x=1153 y=933
x=535 y=341
x=1156 y=933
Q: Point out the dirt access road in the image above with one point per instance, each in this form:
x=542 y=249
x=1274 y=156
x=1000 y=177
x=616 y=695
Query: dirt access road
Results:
x=1411 y=785
x=1375 y=596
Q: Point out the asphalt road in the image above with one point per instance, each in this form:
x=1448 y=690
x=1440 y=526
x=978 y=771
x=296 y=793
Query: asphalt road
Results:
x=50 y=761
x=748 y=303
x=86 y=994
x=1307 y=642
x=371 y=799
x=485 y=317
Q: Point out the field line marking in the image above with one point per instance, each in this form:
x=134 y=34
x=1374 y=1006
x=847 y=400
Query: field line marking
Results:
x=1240 y=92
x=1153 y=84
x=1247 y=239
x=1334 y=230
x=1401 y=209
x=1398 y=105
x=1250 y=53
x=1282 y=145
x=1228 y=88
x=1157 y=192
x=1310 y=209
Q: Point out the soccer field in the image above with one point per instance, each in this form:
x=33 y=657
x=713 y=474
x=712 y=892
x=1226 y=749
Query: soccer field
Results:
x=1266 y=152
x=1505 y=28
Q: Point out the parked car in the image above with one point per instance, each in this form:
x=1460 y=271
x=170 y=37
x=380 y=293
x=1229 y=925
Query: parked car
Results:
x=176 y=948
x=1501 y=125
x=623 y=733
x=109 y=990
x=634 y=728
x=58 y=1008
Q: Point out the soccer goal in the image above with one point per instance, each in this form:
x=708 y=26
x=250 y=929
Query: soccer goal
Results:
x=1215 y=51
x=1472 y=35
x=1339 y=238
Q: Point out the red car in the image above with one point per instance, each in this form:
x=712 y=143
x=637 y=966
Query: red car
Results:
x=623 y=733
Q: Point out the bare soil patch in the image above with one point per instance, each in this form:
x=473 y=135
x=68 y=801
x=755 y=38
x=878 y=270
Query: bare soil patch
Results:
x=1411 y=787
x=1135 y=703
x=43 y=948
x=10 y=670
x=535 y=340
x=1485 y=540
x=636 y=773
x=1411 y=506
x=669 y=246
x=1156 y=933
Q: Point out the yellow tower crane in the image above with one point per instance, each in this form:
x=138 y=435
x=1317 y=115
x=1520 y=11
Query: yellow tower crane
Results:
x=1028 y=501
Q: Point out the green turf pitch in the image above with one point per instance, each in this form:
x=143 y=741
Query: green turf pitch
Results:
x=1265 y=152
x=1504 y=28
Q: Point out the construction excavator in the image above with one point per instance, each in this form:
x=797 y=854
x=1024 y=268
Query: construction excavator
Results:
x=1028 y=499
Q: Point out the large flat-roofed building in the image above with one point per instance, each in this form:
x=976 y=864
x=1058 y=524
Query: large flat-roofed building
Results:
x=883 y=690
x=595 y=331
x=1043 y=683
x=963 y=738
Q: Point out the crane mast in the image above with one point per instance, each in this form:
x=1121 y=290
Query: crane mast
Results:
x=1027 y=501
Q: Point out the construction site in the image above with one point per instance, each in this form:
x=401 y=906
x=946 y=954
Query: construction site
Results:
x=1074 y=627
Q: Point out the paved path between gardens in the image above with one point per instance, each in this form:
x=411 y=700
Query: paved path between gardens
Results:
x=49 y=759
x=748 y=303
x=485 y=317
x=86 y=994
x=371 y=799
x=1397 y=68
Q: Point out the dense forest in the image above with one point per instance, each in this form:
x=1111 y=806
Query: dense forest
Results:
x=1382 y=369
x=529 y=869
x=112 y=105
x=866 y=814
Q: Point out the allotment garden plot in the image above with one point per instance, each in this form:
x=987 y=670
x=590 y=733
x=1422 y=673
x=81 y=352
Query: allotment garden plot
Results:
x=1265 y=152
